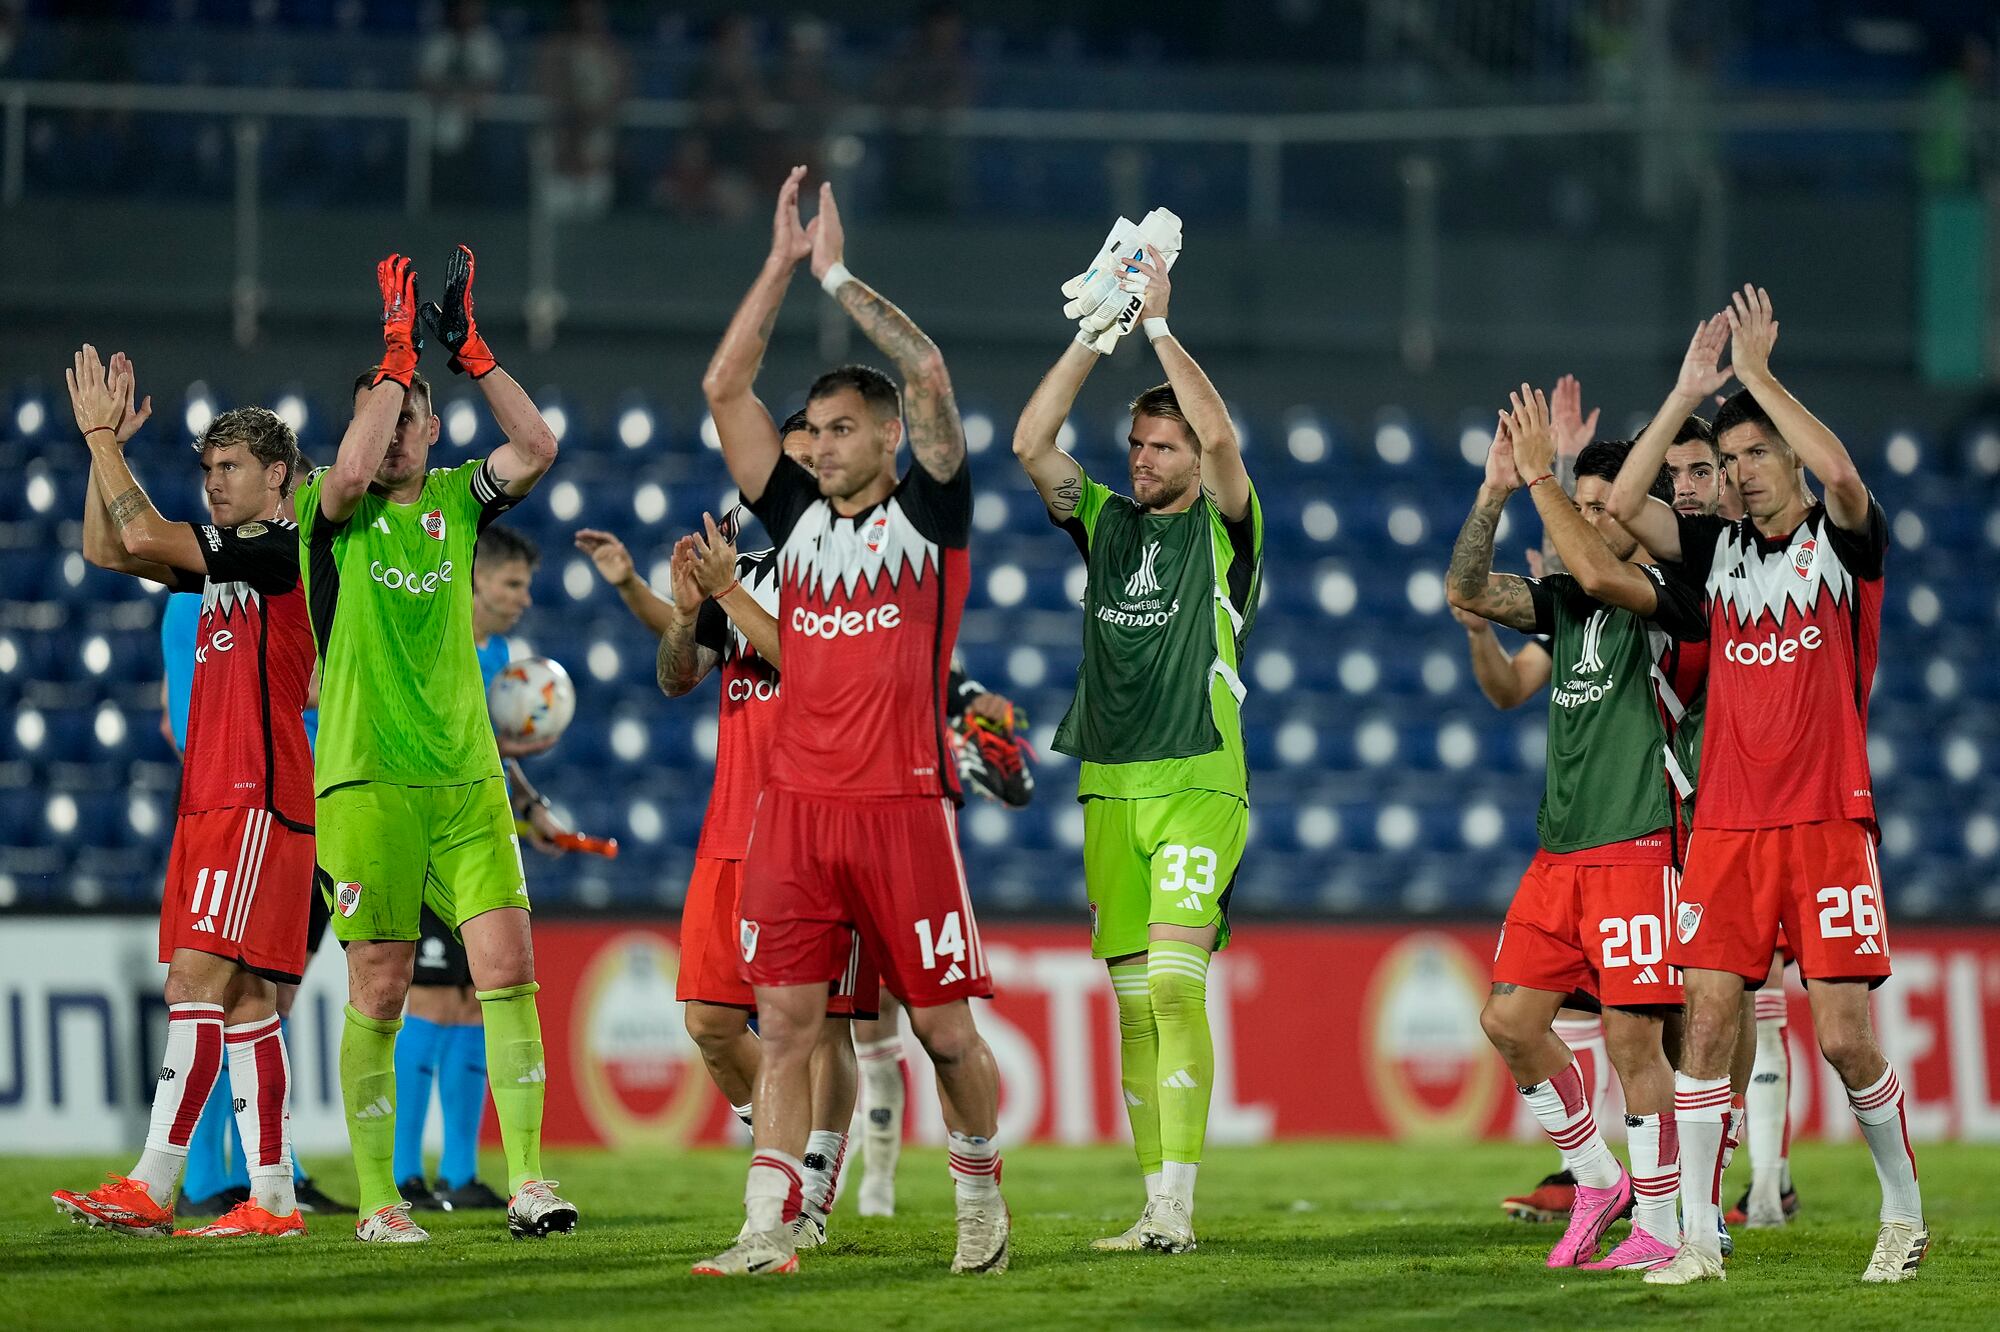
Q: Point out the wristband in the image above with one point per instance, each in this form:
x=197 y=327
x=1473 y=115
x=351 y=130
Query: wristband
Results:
x=836 y=278
x=727 y=590
x=1156 y=329
x=94 y=429
x=1545 y=476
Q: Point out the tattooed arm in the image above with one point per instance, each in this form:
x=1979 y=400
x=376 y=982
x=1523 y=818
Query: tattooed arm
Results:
x=1471 y=585
x=145 y=535
x=930 y=413
x=1054 y=472
x=683 y=663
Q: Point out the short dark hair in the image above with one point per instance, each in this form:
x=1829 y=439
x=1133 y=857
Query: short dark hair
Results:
x=1602 y=458
x=501 y=545
x=1695 y=427
x=366 y=379
x=1742 y=408
x=264 y=433
x=876 y=389
x=1159 y=400
x=795 y=422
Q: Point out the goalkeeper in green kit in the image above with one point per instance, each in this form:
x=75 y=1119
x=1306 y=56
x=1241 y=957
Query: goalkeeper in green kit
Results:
x=412 y=808
x=1173 y=573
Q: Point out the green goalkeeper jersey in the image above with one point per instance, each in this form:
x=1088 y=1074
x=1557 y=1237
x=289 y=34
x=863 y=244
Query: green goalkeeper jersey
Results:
x=390 y=590
x=1168 y=602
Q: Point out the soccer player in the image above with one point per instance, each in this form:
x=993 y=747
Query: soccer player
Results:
x=1592 y=909
x=1173 y=585
x=412 y=804
x=216 y=1176
x=1760 y=1071
x=723 y=618
x=443 y=1041
x=992 y=759
x=234 y=915
x=1785 y=827
x=1508 y=682
x=855 y=831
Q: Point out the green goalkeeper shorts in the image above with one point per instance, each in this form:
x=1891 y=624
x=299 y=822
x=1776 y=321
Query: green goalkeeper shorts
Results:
x=1160 y=860
x=388 y=850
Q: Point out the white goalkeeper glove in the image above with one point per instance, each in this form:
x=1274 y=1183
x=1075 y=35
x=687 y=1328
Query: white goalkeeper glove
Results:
x=1106 y=315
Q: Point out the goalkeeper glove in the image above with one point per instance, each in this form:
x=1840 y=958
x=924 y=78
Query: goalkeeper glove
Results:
x=400 y=339
x=451 y=322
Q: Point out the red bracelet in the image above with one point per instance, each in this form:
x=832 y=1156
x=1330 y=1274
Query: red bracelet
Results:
x=1545 y=476
x=727 y=590
x=94 y=429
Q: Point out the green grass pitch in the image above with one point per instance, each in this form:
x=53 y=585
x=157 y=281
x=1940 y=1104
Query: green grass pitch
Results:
x=1306 y=1234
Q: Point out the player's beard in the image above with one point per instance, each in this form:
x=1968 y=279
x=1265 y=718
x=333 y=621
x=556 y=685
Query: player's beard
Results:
x=1162 y=493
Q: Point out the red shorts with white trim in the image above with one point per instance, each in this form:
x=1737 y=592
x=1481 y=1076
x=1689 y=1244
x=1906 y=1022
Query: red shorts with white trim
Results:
x=711 y=961
x=1818 y=883
x=239 y=885
x=822 y=870
x=1598 y=930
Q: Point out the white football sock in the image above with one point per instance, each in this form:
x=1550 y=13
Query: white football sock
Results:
x=1563 y=1111
x=1700 y=1106
x=1654 y=1143
x=188 y=1070
x=260 y=1077
x=1879 y=1107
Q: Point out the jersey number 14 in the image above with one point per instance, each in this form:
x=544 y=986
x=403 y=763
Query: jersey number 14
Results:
x=949 y=942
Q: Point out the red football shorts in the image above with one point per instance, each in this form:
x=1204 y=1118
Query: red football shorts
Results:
x=1599 y=930
x=820 y=870
x=1818 y=882
x=239 y=885
x=711 y=962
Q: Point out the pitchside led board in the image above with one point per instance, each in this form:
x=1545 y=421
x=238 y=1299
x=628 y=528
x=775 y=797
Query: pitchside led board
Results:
x=1364 y=1031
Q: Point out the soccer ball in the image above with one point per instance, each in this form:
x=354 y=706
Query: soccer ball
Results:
x=532 y=699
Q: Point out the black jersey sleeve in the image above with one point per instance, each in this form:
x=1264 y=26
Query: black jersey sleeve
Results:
x=711 y=627
x=1549 y=593
x=788 y=493
x=1862 y=552
x=264 y=555
x=1699 y=535
x=941 y=510
x=1677 y=605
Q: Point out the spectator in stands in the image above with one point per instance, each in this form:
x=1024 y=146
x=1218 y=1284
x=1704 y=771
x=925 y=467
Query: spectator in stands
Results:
x=585 y=76
x=920 y=87
x=730 y=108
x=459 y=68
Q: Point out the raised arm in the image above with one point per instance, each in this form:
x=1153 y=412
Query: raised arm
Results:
x=1649 y=520
x=715 y=577
x=381 y=404
x=1753 y=332
x=530 y=448
x=614 y=565
x=1470 y=584
x=1599 y=572
x=1223 y=475
x=930 y=412
x=750 y=446
x=145 y=544
x=683 y=663
x=103 y=543
x=1056 y=475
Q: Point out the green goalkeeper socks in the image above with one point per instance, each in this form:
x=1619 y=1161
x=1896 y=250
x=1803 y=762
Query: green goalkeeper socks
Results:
x=515 y=1069
x=368 y=1094
x=1177 y=980
x=1139 y=1061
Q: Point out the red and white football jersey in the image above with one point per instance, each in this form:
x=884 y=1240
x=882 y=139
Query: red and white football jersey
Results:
x=870 y=612
x=747 y=718
x=1794 y=623
x=253 y=660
